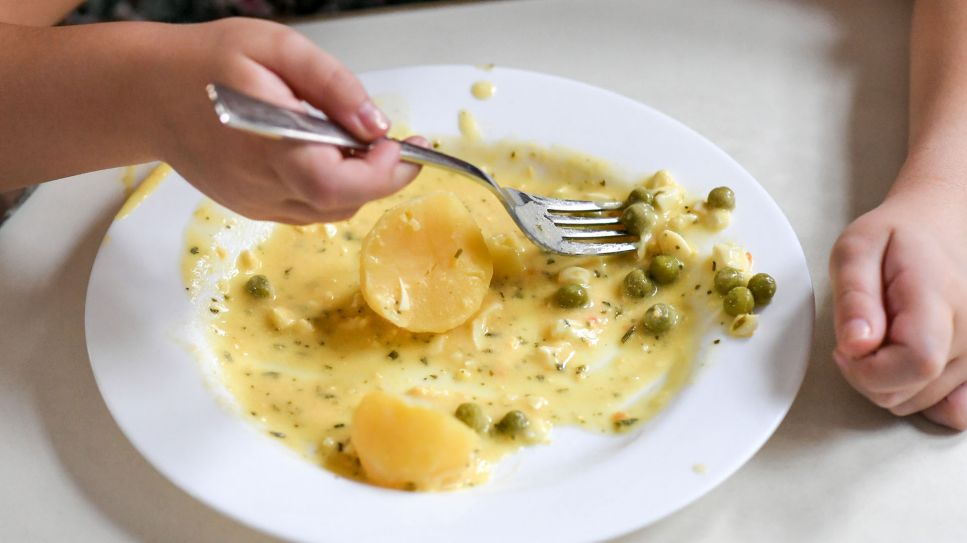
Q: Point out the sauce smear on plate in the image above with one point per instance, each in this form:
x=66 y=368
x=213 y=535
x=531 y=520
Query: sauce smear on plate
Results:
x=300 y=348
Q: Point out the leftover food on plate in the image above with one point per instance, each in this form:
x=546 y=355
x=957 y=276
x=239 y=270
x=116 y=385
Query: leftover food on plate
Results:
x=417 y=343
x=424 y=266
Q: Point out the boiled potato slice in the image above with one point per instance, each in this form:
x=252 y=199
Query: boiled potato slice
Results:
x=508 y=253
x=425 y=265
x=406 y=446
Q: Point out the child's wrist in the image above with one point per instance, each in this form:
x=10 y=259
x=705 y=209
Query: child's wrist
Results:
x=142 y=74
x=939 y=168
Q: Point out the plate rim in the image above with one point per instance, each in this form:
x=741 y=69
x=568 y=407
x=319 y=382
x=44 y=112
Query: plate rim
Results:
x=714 y=480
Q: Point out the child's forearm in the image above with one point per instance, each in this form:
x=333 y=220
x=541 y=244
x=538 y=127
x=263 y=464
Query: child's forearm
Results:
x=83 y=98
x=75 y=99
x=938 y=96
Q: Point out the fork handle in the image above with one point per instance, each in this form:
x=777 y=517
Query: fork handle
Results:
x=244 y=112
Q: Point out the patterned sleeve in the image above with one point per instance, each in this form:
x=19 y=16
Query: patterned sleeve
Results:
x=183 y=11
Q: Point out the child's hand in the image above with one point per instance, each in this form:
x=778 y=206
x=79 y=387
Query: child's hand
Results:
x=282 y=181
x=899 y=276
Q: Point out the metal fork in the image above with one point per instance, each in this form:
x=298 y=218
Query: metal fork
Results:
x=566 y=227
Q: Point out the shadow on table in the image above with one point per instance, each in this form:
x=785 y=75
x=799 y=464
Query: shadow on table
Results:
x=873 y=45
x=104 y=465
x=869 y=46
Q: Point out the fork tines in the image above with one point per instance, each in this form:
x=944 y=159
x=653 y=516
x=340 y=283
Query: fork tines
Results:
x=585 y=220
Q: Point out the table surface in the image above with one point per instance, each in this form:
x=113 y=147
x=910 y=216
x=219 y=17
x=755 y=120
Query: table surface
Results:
x=809 y=95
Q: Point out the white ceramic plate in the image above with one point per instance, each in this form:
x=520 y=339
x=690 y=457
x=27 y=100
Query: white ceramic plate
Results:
x=580 y=487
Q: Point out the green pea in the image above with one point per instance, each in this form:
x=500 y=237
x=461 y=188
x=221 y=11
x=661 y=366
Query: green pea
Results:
x=738 y=301
x=665 y=269
x=727 y=279
x=722 y=198
x=259 y=287
x=763 y=288
x=638 y=285
x=571 y=296
x=640 y=194
x=660 y=318
x=513 y=424
x=639 y=218
x=473 y=416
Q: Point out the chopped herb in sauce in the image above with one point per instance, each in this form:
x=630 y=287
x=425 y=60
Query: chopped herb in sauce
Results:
x=624 y=423
x=515 y=363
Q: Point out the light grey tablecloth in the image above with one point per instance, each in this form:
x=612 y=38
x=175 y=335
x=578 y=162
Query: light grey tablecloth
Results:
x=808 y=95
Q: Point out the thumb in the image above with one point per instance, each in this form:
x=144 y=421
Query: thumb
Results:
x=856 y=273
x=323 y=81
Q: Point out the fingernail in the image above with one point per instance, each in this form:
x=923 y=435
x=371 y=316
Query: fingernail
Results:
x=419 y=141
x=373 y=118
x=856 y=330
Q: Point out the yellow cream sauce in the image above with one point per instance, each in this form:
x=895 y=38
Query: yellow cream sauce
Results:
x=468 y=126
x=139 y=194
x=483 y=90
x=299 y=363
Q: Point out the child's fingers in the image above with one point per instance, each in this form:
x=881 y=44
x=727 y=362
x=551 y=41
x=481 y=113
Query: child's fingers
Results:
x=319 y=175
x=404 y=172
x=419 y=141
x=887 y=377
x=304 y=171
x=382 y=167
x=299 y=212
x=918 y=347
x=916 y=354
x=261 y=82
x=378 y=174
x=951 y=411
x=953 y=376
x=855 y=269
x=323 y=81
x=386 y=154
x=922 y=321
